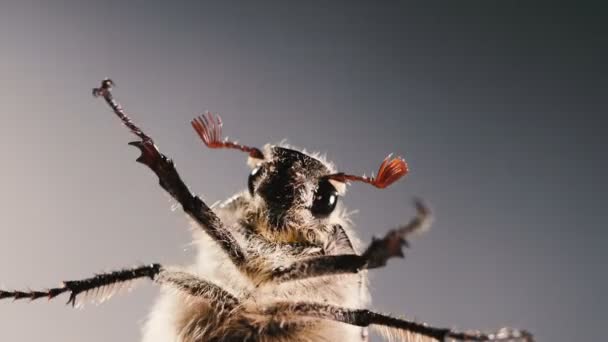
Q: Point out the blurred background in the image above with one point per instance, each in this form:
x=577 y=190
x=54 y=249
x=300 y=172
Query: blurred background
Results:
x=499 y=108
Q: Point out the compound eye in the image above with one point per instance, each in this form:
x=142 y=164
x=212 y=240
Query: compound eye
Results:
x=325 y=201
x=253 y=176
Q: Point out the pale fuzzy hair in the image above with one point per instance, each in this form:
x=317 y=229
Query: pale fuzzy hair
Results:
x=400 y=335
x=181 y=318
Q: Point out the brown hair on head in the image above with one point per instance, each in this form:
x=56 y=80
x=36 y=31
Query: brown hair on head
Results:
x=390 y=171
x=209 y=129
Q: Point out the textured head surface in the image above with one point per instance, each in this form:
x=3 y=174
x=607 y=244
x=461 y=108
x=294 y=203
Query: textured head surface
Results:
x=288 y=188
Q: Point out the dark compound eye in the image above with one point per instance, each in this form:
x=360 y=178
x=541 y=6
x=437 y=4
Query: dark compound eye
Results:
x=326 y=198
x=255 y=173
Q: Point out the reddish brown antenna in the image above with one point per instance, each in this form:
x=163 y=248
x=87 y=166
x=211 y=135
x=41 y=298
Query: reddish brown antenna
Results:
x=209 y=129
x=390 y=171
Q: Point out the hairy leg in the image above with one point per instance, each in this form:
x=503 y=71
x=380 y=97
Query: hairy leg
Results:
x=376 y=255
x=103 y=286
x=400 y=328
x=170 y=180
x=99 y=283
x=194 y=286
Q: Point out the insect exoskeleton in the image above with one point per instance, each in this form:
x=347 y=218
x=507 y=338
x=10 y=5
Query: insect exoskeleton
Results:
x=278 y=261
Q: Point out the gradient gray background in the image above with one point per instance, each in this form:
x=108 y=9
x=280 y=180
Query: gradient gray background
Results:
x=497 y=108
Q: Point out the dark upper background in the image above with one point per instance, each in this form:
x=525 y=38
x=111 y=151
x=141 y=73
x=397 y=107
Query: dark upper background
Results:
x=497 y=107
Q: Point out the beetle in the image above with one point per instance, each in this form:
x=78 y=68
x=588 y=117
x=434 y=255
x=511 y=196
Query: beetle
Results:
x=278 y=261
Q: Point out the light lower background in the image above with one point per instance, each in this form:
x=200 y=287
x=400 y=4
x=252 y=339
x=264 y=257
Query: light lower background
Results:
x=498 y=107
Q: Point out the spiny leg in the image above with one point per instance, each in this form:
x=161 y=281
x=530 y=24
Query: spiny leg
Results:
x=97 y=282
x=401 y=328
x=170 y=180
x=181 y=281
x=194 y=286
x=376 y=255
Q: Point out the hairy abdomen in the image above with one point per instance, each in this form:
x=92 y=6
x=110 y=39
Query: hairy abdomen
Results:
x=179 y=318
